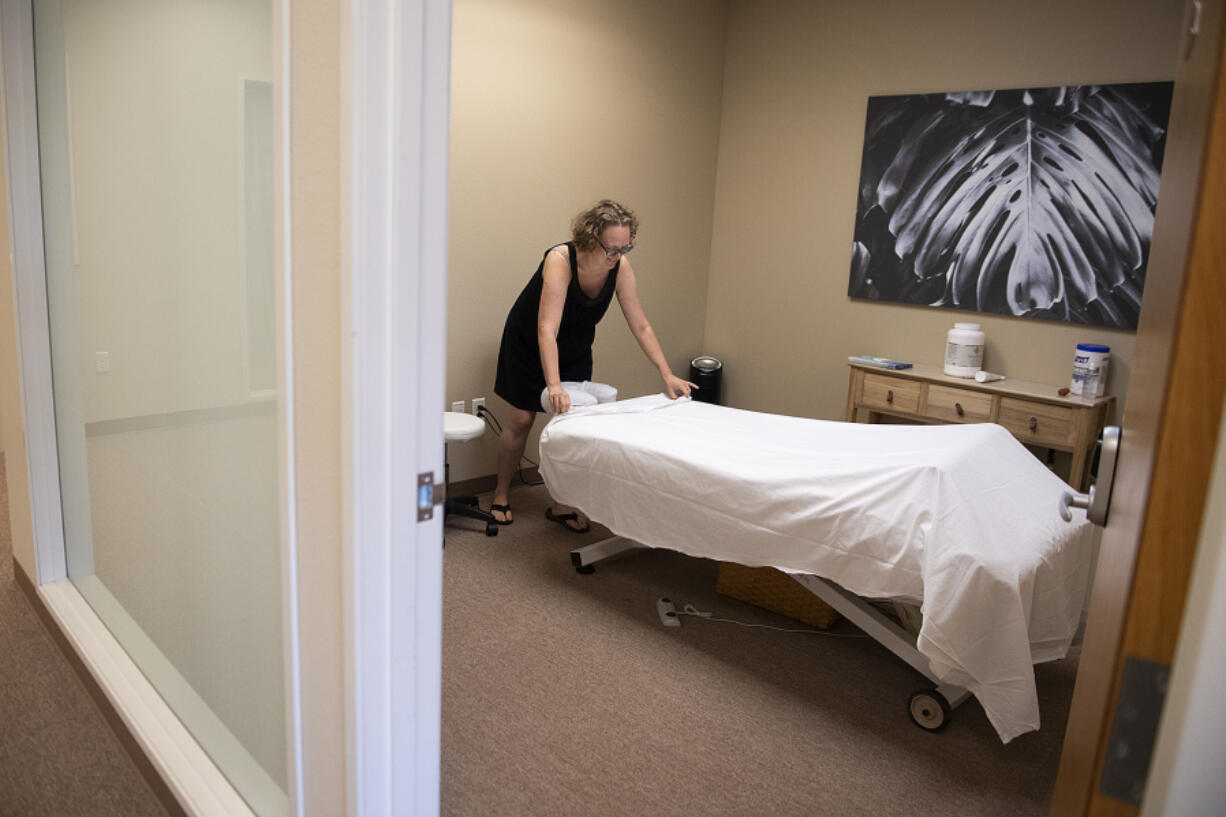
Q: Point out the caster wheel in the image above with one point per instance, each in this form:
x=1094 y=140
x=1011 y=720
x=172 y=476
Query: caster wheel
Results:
x=930 y=710
x=491 y=529
x=586 y=570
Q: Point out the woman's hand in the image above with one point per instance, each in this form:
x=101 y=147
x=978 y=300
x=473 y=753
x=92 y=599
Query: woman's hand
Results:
x=675 y=387
x=559 y=400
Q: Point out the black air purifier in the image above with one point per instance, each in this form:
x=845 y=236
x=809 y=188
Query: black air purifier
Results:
x=707 y=372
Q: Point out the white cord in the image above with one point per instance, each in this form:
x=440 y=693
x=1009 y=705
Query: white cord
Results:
x=691 y=610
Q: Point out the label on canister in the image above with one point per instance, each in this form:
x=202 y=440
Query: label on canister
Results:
x=964 y=356
x=964 y=350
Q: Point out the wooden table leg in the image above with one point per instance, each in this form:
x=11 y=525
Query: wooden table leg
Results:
x=852 y=392
x=1077 y=472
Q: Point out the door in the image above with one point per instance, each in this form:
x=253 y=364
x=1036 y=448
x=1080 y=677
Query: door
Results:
x=1170 y=428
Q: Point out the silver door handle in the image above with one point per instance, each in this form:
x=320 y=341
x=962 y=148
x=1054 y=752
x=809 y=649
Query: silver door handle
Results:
x=1071 y=500
x=1098 y=501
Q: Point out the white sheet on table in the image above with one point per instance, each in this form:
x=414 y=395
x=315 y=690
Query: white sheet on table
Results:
x=961 y=517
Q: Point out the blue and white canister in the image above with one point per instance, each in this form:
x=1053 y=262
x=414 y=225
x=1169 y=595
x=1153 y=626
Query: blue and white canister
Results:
x=1090 y=363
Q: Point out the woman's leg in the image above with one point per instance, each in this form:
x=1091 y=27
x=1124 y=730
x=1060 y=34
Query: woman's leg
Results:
x=510 y=450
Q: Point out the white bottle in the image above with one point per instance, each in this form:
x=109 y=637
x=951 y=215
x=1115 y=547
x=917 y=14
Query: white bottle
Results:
x=964 y=350
x=1090 y=362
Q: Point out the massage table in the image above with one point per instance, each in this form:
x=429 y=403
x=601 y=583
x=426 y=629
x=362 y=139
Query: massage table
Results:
x=960 y=519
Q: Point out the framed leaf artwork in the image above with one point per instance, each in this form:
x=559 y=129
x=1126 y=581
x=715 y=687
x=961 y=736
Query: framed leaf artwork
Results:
x=1034 y=202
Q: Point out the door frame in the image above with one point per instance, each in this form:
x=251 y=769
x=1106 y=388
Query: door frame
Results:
x=396 y=64
x=1171 y=417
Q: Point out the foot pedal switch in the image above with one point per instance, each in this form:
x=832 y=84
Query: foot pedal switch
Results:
x=668 y=613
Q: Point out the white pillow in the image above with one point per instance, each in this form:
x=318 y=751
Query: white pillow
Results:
x=586 y=393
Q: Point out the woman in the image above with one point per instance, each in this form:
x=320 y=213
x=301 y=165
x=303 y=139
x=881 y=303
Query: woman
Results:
x=550 y=329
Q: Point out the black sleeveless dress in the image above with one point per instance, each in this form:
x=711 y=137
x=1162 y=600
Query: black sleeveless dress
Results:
x=520 y=379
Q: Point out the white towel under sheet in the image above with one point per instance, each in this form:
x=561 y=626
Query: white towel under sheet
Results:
x=960 y=517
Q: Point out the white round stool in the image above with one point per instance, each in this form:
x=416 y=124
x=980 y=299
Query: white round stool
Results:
x=460 y=427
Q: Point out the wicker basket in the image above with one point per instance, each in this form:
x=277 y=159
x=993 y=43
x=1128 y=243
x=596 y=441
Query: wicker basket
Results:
x=776 y=591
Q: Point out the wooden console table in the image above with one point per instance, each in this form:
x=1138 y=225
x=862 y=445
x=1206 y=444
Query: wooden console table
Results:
x=1034 y=413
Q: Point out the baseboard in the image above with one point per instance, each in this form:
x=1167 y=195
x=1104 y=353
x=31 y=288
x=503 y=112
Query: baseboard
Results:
x=117 y=724
x=486 y=484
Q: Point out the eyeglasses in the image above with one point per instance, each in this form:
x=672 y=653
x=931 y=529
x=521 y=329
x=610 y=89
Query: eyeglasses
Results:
x=613 y=252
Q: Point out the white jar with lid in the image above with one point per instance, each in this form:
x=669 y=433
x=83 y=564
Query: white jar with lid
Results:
x=964 y=350
x=1090 y=363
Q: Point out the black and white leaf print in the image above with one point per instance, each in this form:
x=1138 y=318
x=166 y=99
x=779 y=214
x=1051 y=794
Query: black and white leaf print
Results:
x=1036 y=203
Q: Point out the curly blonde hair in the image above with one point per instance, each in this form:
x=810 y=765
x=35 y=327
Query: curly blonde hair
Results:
x=586 y=228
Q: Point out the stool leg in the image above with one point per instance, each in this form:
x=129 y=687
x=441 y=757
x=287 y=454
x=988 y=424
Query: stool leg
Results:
x=465 y=506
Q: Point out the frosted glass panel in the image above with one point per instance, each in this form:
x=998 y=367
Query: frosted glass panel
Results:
x=155 y=131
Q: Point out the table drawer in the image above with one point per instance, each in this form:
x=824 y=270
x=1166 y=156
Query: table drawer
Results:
x=1040 y=423
x=958 y=405
x=891 y=393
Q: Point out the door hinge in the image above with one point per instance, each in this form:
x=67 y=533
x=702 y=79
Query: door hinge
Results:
x=1143 y=689
x=1193 y=30
x=428 y=495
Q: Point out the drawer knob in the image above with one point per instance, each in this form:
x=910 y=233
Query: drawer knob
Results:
x=1034 y=423
x=958 y=408
x=889 y=397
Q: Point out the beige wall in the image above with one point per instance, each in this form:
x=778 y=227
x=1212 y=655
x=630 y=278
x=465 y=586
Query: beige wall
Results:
x=555 y=104
x=787 y=83
x=797 y=78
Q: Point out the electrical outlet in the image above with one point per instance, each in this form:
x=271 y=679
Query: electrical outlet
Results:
x=478 y=404
x=102 y=362
x=458 y=406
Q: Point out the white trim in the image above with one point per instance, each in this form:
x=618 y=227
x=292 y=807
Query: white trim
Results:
x=30 y=283
x=421 y=672
x=368 y=69
x=395 y=62
x=283 y=266
x=193 y=779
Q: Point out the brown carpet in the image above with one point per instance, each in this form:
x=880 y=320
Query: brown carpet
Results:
x=564 y=695
x=58 y=756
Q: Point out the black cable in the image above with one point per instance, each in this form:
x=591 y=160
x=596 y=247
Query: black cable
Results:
x=524 y=479
x=490 y=420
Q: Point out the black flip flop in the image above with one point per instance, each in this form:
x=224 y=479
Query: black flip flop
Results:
x=563 y=518
x=501 y=509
